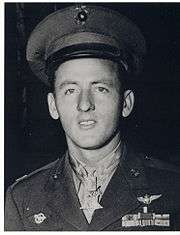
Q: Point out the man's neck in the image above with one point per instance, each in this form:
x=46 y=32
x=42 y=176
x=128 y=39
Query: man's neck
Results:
x=93 y=156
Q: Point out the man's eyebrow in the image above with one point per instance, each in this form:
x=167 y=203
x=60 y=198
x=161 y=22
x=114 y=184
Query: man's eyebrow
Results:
x=104 y=81
x=61 y=85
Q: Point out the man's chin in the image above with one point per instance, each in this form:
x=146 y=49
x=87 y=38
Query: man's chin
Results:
x=88 y=144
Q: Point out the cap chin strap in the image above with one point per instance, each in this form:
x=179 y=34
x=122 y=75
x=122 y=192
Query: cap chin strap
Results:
x=88 y=50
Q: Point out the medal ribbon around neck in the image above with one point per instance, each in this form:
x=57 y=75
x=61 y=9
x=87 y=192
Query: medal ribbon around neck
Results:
x=92 y=179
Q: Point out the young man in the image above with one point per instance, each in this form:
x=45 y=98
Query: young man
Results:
x=85 y=54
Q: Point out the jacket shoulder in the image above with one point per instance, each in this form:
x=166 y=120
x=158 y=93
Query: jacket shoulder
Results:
x=160 y=165
x=33 y=175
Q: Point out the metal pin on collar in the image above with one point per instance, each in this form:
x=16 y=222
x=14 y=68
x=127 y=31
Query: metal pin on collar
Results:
x=135 y=172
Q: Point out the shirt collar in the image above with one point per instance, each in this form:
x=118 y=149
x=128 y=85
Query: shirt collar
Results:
x=104 y=166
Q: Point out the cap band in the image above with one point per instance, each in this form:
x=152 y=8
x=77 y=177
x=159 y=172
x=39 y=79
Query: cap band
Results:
x=86 y=50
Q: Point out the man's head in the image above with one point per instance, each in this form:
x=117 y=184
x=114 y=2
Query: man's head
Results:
x=89 y=99
x=85 y=53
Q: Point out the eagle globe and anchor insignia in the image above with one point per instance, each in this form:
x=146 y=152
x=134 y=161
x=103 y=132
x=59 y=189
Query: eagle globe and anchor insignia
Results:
x=146 y=218
x=81 y=15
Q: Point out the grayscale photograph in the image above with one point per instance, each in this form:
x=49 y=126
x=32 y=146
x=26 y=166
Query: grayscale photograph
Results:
x=92 y=116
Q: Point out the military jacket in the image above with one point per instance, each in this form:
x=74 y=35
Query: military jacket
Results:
x=143 y=194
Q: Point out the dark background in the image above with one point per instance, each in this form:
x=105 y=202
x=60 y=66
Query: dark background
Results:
x=33 y=139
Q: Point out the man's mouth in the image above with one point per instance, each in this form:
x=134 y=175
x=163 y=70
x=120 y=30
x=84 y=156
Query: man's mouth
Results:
x=87 y=123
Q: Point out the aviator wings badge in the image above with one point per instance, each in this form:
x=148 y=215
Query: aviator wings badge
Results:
x=147 y=199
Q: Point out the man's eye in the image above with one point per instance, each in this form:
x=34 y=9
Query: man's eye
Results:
x=69 y=91
x=102 y=89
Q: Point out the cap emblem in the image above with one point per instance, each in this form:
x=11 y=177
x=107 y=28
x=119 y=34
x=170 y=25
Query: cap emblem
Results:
x=82 y=15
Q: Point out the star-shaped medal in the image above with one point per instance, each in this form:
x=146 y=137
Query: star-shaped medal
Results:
x=91 y=201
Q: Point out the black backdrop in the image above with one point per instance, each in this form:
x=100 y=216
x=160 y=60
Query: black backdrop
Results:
x=33 y=139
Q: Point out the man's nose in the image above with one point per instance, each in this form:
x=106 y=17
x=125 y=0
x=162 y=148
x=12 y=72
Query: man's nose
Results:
x=86 y=101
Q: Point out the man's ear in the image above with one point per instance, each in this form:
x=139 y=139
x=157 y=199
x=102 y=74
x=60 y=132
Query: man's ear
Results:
x=128 y=103
x=52 y=106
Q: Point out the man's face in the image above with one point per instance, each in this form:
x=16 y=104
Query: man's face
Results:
x=88 y=100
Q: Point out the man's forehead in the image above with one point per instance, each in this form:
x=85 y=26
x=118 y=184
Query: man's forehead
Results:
x=85 y=64
x=92 y=69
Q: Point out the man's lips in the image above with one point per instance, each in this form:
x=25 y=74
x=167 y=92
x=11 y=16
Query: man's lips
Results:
x=87 y=123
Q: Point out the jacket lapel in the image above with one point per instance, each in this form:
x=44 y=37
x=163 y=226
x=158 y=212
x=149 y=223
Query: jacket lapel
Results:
x=120 y=197
x=64 y=200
